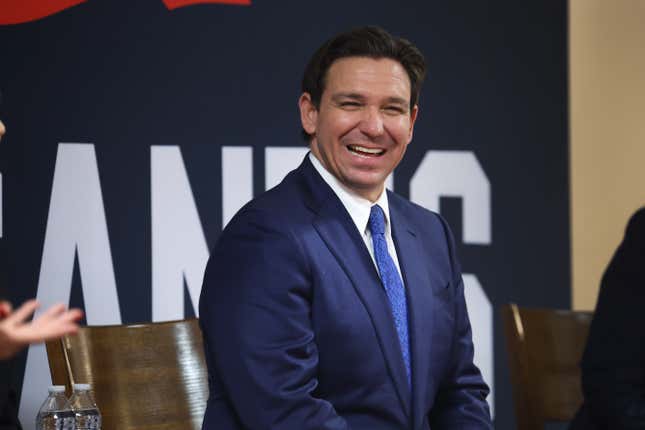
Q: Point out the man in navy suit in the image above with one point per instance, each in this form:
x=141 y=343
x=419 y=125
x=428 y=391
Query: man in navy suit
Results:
x=329 y=303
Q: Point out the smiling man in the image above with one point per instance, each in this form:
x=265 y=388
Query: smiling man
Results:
x=329 y=302
x=362 y=123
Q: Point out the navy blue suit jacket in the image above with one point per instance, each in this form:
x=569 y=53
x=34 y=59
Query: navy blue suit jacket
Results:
x=298 y=331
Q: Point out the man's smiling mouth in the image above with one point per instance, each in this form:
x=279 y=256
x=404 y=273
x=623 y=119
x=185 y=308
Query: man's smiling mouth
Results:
x=365 y=152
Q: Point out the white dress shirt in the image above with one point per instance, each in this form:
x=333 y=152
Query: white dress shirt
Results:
x=359 y=210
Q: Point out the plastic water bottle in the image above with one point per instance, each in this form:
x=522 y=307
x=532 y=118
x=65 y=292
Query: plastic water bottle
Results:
x=86 y=413
x=55 y=413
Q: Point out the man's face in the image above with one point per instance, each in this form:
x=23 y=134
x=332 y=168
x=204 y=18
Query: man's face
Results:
x=364 y=123
x=2 y=130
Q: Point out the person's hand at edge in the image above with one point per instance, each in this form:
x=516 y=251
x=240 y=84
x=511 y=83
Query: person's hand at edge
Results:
x=16 y=332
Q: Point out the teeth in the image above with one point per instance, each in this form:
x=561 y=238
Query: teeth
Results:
x=366 y=150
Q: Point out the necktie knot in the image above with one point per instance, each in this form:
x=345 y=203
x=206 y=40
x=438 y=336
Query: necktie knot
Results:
x=377 y=220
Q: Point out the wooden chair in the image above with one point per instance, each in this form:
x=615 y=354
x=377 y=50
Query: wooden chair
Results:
x=145 y=376
x=545 y=347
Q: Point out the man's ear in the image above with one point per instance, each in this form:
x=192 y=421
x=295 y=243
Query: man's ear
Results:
x=413 y=118
x=308 y=113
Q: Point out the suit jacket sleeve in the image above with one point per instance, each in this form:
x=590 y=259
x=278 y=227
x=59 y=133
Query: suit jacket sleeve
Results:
x=461 y=399
x=255 y=312
x=613 y=366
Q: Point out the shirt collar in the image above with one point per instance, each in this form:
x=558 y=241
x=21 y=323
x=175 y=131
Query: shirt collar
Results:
x=358 y=207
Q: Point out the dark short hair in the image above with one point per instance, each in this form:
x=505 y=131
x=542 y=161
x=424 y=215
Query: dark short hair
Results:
x=372 y=42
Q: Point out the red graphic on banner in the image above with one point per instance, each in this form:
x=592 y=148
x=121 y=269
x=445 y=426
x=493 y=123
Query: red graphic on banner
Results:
x=21 y=11
x=174 y=4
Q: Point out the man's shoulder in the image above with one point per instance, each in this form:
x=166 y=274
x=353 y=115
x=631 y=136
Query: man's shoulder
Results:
x=283 y=205
x=428 y=225
x=406 y=205
x=414 y=213
x=634 y=242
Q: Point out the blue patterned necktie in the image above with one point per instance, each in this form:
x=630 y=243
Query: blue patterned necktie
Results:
x=391 y=281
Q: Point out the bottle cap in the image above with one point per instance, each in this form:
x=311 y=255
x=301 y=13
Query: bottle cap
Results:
x=56 y=389
x=81 y=387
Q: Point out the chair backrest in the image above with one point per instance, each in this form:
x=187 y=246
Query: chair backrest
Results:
x=545 y=347
x=146 y=376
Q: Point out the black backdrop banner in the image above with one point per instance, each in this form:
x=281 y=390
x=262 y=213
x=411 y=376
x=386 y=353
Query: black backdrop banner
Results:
x=137 y=129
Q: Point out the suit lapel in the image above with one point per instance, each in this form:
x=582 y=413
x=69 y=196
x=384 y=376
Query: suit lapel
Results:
x=419 y=298
x=338 y=231
x=357 y=264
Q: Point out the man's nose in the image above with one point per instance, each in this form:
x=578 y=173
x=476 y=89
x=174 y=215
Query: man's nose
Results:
x=372 y=122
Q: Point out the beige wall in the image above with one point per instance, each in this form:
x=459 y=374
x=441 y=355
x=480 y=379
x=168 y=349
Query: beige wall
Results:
x=607 y=120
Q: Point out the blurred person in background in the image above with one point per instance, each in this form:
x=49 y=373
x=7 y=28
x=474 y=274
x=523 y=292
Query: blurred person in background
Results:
x=613 y=364
x=17 y=332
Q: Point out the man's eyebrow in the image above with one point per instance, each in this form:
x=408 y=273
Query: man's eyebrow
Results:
x=356 y=96
x=339 y=96
x=398 y=100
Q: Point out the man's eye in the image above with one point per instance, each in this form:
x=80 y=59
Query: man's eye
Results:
x=394 y=109
x=350 y=105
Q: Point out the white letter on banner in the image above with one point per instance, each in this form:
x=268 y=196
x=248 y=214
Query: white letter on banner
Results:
x=456 y=174
x=237 y=179
x=75 y=225
x=179 y=249
x=480 y=313
x=459 y=174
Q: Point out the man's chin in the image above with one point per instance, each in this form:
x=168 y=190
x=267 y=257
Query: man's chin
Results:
x=367 y=188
